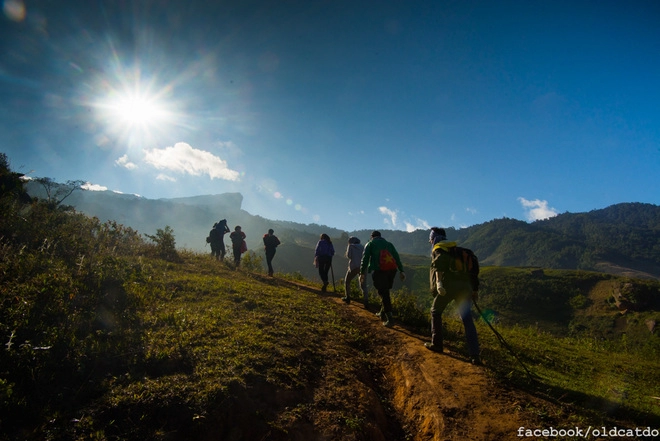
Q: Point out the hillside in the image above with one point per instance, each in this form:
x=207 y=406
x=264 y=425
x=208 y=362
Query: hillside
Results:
x=110 y=336
x=623 y=239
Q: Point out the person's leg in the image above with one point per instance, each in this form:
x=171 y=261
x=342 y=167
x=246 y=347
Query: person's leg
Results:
x=383 y=283
x=324 y=268
x=269 y=261
x=237 y=256
x=221 y=248
x=437 y=308
x=464 y=307
x=348 y=278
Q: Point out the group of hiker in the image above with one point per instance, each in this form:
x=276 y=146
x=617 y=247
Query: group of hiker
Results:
x=449 y=281
x=216 y=239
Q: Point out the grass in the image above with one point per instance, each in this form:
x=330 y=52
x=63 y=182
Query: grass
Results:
x=108 y=336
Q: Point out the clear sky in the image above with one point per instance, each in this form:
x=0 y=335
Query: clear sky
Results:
x=352 y=114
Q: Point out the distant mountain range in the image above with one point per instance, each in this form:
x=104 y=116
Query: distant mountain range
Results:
x=622 y=239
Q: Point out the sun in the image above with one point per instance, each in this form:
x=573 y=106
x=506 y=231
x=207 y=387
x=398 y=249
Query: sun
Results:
x=136 y=110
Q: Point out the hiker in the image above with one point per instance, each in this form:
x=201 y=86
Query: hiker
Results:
x=354 y=254
x=217 y=239
x=323 y=258
x=448 y=285
x=238 y=244
x=270 y=246
x=382 y=258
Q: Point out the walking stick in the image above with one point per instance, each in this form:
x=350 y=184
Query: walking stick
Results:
x=503 y=342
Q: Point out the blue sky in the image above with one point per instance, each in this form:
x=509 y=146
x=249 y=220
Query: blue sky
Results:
x=352 y=114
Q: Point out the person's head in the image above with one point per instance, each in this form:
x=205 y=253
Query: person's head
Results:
x=353 y=239
x=238 y=228
x=437 y=234
x=375 y=234
x=271 y=231
x=325 y=237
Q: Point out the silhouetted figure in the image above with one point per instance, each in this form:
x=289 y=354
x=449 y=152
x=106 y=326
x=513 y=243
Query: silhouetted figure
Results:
x=217 y=239
x=323 y=258
x=382 y=259
x=354 y=254
x=270 y=246
x=448 y=285
x=237 y=244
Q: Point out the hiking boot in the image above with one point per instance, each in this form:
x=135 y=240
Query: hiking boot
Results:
x=346 y=300
x=476 y=361
x=389 y=320
x=431 y=347
x=324 y=287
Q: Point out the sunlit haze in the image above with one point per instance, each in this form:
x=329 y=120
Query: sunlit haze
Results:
x=355 y=115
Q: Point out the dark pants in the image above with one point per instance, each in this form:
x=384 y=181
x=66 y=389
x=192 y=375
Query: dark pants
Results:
x=325 y=262
x=383 y=282
x=461 y=292
x=237 y=254
x=218 y=249
x=269 y=260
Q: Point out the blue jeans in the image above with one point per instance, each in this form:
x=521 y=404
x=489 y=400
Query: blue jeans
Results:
x=461 y=292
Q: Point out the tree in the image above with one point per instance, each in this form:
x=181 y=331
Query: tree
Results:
x=56 y=193
x=11 y=183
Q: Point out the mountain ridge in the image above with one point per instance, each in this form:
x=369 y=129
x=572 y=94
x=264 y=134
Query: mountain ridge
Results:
x=622 y=239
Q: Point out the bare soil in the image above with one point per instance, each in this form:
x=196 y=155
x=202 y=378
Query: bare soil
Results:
x=442 y=396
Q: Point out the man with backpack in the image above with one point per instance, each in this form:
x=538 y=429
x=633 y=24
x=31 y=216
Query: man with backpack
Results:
x=217 y=239
x=270 y=246
x=382 y=258
x=354 y=254
x=454 y=276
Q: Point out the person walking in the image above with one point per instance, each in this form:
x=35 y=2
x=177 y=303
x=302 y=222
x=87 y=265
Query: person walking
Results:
x=447 y=286
x=354 y=252
x=237 y=244
x=381 y=258
x=270 y=246
x=323 y=258
x=217 y=239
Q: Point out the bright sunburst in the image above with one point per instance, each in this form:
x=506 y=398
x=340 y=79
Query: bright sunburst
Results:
x=135 y=109
x=138 y=111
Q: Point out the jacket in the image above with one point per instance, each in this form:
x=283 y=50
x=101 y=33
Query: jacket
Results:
x=371 y=256
x=354 y=255
x=441 y=267
x=324 y=248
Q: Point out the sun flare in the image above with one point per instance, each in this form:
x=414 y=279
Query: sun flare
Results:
x=138 y=110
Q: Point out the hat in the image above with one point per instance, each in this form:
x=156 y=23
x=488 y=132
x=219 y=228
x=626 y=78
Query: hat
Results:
x=375 y=233
x=353 y=239
x=271 y=231
x=437 y=234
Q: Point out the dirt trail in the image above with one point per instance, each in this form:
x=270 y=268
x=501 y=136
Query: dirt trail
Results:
x=443 y=396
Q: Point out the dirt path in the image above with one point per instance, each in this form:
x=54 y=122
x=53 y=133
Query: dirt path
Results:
x=443 y=396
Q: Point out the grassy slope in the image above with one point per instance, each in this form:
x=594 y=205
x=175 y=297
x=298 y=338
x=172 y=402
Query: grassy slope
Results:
x=106 y=341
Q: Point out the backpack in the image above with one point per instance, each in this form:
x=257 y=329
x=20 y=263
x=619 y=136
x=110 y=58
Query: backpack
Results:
x=465 y=261
x=463 y=264
x=386 y=261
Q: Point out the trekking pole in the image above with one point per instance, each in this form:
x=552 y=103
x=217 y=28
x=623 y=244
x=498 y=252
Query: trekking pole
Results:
x=332 y=271
x=503 y=342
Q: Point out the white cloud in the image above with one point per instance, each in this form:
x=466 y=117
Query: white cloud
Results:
x=392 y=214
x=420 y=224
x=392 y=220
x=182 y=158
x=124 y=162
x=164 y=177
x=471 y=210
x=537 y=209
x=93 y=187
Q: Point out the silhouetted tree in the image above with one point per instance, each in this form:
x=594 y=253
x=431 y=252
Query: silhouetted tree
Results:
x=56 y=193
